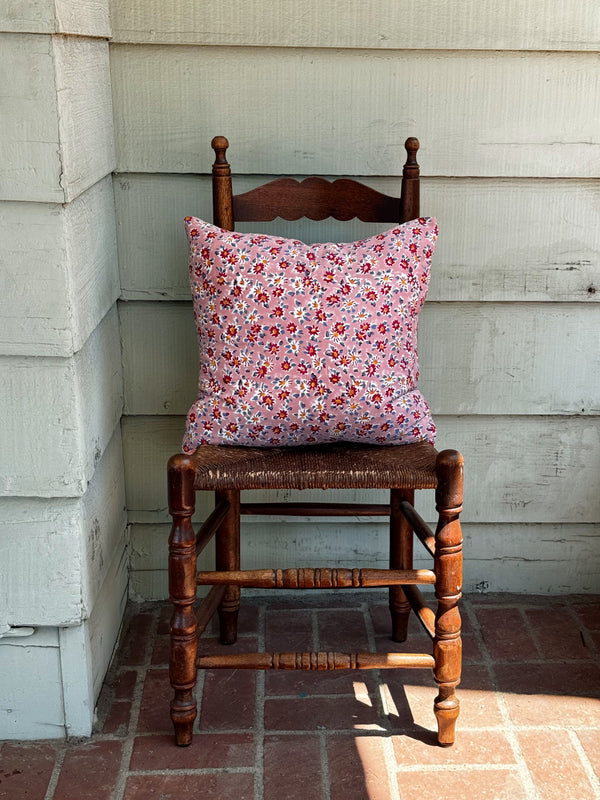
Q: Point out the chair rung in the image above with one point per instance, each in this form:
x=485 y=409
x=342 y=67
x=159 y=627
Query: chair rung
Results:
x=315 y=661
x=425 y=614
x=420 y=527
x=211 y=525
x=317 y=509
x=208 y=607
x=318 y=578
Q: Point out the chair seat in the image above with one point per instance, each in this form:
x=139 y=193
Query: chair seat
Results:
x=329 y=466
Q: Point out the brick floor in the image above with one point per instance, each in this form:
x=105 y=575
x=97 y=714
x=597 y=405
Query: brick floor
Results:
x=529 y=725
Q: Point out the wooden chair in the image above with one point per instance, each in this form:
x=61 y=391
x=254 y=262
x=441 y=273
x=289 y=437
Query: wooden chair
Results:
x=227 y=470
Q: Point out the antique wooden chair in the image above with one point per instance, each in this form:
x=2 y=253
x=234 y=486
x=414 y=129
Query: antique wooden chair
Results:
x=401 y=469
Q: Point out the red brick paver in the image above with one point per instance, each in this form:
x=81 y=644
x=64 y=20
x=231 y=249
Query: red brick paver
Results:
x=529 y=725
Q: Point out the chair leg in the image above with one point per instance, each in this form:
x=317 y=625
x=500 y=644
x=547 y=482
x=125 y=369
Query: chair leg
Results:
x=401 y=557
x=182 y=590
x=447 y=646
x=228 y=558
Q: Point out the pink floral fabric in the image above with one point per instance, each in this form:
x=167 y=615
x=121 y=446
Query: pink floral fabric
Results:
x=303 y=344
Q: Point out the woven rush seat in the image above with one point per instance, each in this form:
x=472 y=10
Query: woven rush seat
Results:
x=344 y=466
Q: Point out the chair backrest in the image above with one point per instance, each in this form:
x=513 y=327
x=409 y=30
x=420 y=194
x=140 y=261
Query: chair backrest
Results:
x=314 y=198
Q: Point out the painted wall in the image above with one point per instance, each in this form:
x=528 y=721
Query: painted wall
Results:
x=63 y=578
x=505 y=101
x=106 y=115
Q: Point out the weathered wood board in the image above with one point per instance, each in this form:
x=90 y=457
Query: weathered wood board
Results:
x=382 y=24
x=495 y=114
x=83 y=87
x=105 y=620
x=58 y=272
x=500 y=240
x=56 y=133
x=58 y=553
x=32 y=701
x=61 y=414
x=497 y=557
x=103 y=525
x=82 y=17
x=475 y=358
x=517 y=469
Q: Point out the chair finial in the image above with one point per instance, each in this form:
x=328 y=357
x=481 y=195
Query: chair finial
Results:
x=411 y=145
x=220 y=144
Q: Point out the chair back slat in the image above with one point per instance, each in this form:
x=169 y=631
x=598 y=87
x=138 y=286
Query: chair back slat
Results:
x=314 y=198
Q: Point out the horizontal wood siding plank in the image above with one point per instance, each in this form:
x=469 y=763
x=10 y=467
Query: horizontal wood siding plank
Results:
x=383 y=24
x=497 y=557
x=58 y=553
x=106 y=618
x=58 y=272
x=475 y=358
x=61 y=414
x=40 y=582
x=30 y=167
x=348 y=112
x=83 y=87
x=104 y=520
x=56 y=133
x=93 y=268
x=30 y=708
x=502 y=240
x=82 y=17
x=518 y=469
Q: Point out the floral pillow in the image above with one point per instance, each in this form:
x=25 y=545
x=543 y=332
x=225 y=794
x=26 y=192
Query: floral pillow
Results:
x=304 y=344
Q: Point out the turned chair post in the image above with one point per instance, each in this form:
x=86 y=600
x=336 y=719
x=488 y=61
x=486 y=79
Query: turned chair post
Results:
x=410 y=197
x=447 y=645
x=221 y=185
x=182 y=591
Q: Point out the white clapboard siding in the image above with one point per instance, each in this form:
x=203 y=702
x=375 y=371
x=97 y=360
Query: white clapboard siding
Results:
x=57 y=553
x=90 y=233
x=348 y=111
x=60 y=416
x=32 y=700
x=83 y=17
x=538 y=558
x=475 y=358
x=105 y=620
x=500 y=240
x=30 y=167
x=85 y=112
x=517 y=469
x=58 y=272
x=385 y=24
x=104 y=521
x=40 y=553
x=56 y=134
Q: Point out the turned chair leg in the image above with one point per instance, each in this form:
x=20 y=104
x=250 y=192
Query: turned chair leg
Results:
x=401 y=557
x=228 y=558
x=447 y=646
x=182 y=590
